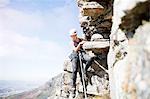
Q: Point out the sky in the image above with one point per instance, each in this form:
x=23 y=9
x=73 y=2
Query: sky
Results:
x=34 y=38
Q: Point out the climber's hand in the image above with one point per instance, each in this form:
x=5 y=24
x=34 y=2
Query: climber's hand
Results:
x=81 y=43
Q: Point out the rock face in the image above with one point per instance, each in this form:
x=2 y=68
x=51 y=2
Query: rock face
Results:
x=95 y=17
x=128 y=57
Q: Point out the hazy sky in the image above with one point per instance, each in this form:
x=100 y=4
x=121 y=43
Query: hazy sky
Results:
x=34 y=38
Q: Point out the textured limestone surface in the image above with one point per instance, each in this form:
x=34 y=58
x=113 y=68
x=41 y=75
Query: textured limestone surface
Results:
x=128 y=59
x=95 y=17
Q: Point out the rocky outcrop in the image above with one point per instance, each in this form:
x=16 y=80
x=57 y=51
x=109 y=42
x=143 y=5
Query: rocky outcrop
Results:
x=129 y=44
x=95 y=17
x=128 y=57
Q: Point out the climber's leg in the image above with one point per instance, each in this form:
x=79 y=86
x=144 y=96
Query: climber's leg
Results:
x=74 y=74
x=85 y=78
x=88 y=61
x=80 y=73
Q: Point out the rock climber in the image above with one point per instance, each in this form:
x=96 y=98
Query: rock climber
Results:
x=76 y=44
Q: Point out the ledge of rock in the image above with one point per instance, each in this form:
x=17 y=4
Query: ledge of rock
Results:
x=92 y=9
x=96 y=45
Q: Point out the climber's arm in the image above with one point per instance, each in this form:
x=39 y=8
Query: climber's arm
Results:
x=78 y=47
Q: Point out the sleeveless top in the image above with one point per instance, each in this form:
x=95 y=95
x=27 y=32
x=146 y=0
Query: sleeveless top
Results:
x=76 y=44
x=74 y=54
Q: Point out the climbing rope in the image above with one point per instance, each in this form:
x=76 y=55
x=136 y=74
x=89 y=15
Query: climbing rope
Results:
x=83 y=79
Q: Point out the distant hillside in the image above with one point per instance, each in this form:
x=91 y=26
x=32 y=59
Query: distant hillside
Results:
x=10 y=87
x=43 y=92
